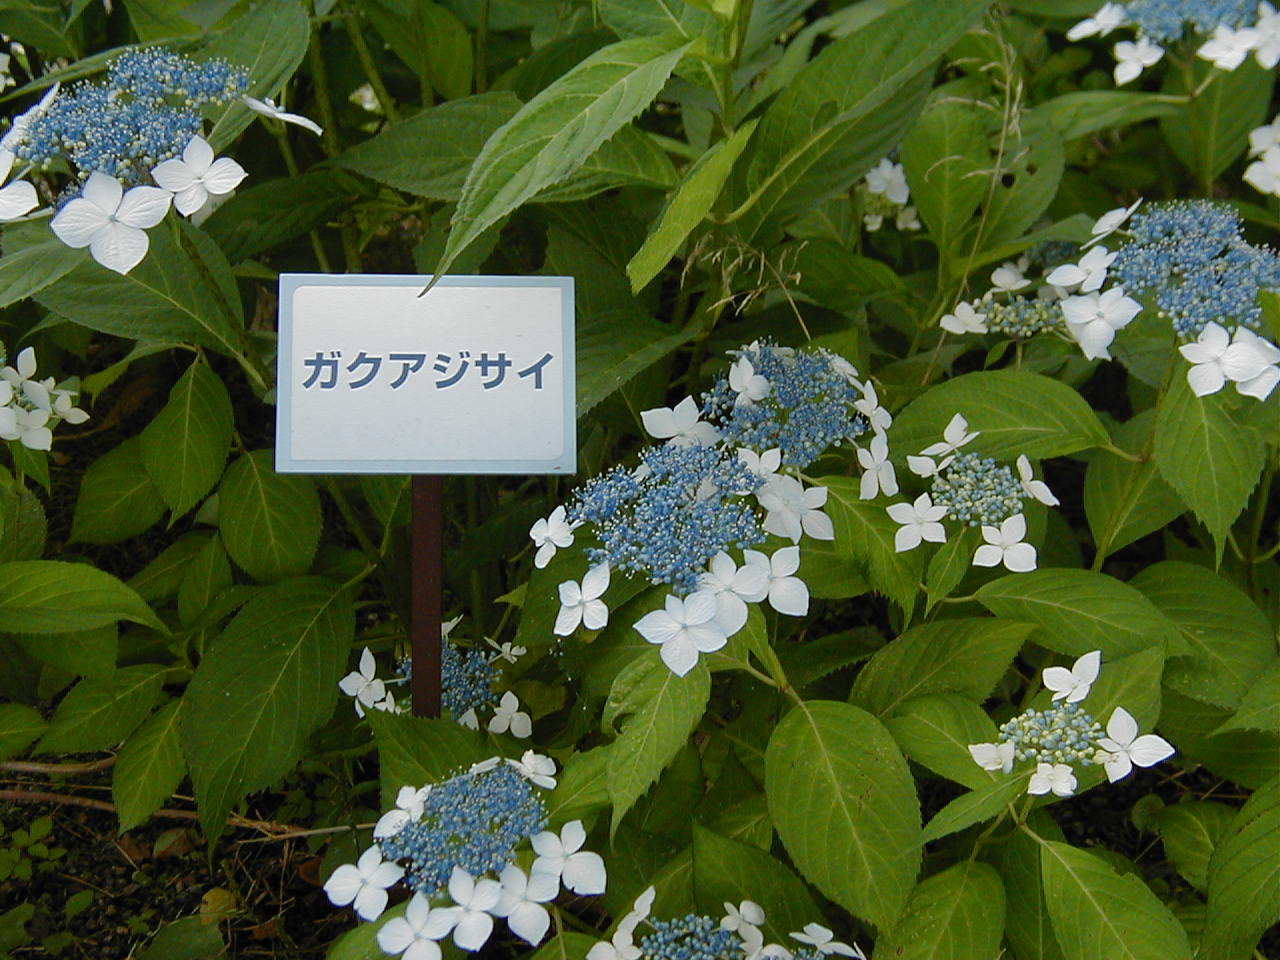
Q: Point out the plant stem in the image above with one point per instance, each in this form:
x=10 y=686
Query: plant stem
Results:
x=370 y=66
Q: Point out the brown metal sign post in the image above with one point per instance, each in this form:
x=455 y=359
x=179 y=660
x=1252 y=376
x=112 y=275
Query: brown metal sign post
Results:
x=425 y=592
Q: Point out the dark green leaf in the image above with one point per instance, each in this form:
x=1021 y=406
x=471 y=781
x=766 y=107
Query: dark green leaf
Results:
x=270 y=523
x=186 y=445
x=99 y=712
x=118 y=499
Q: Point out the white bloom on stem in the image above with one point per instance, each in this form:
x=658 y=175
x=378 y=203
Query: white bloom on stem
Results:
x=1111 y=221
x=927 y=466
x=993 y=756
x=410 y=804
x=484 y=766
x=1132 y=58
x=1125 y=748
x=1108 y=18
x=918 y=521
x=1058 y=777
x=1228 y=48
x=28 y=426
x=1264 y=173
x=1073 y=685
x=621 y=946
x=416 y=933
x=906 y=219
x=954 y=436
x=197 y=176
x=889 y=179
x=763 y=465
x=877 y=469
x=521 y=902
x=549 y=534
x=475 y=898
x=1005 y=545
x=111 y=222
x=1264 y=138
x=1036 y=489
x=362 y=684
x=562 y=858
x=1267 y=49
x=1094 y=318
x=469 y=719
x=684 y=629
x=869 y=406
x=1089 y=274
x=537 y=769
x=1008 y=277
x=63 y=407
x=506 y=651
x=754 y=947
x=17 y=199
x=267 y=107
x=679 y=425
x=734 y=587
x=747 y=914
x=787 y=593
x=1216 y=359
x=21 y=378
x=582 y=604
x=965 y=320
x=1259 y=387
x=507 y=715
x=823 y=940
x=364 y=883
x=748 y=384
x=793 y=510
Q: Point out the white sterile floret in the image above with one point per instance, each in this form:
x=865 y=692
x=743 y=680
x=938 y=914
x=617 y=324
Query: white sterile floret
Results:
x=1228 y=48
x=684 y=629
x=508 y=651
x=1216 y=359
x=763 y=465
x=563 y=859
x=582 y=604
x=1267 y=49
x=787 y=593
x=621 y=946
x=965 y=320
x=28 y=426
x=1111 y=221
x=679 y=425
x=1094 y=318
x=1125 y=749
x=1264 y=173
x=889 y=179
x=1073 y=685
x=17 y=199
x=410 y=804
x=197 y=176
x=734 y=587
x=1132 y=58
x=919 y=521
x=469 y=719
x=21 y=379
x=954 y=436
x=268 y=108
x=1108 y=18
x=878 y=474
x=1036 y=489
x=1259 y=387
x=927 y=466
x=1264 y=138
x=549 y=534
x=877 y=416
x=823 y=940
x=507 y=715
x=793 y=510
x=749 y=385
x=906 y=219
x=1089 y=274
x=1005 y=545
x=64 y=409
x=415 y=935
x=1008 y=277
x=521 y=902
x=475 y=899
x=364 y=883
x=993 y=756
x=362 y=684
x=537 y=769
x=747 y=914
x=111 y=222
x=1056 y=777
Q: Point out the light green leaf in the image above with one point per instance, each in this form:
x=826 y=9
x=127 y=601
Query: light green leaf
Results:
x=270 y=523
x=556 y=131
x=1027 y=926
x=1084 y=112
x=1189 y=831
x=1015 y=413
x=1244 y=879
x=935 y=731
x=1246 y=757
x=1213 y=129
x=1028 y=180
x=185 y=446
x=416 y=751
x=118 y=499
x=52 y=596
x=1260 y=708
x=20 y=726
x=582 y=787
x=957 y=914
x=948 y=566
x=191 y=938
x=431 y=41
x=948 y=166
x=975 y=807
x=830 y=574
x=961 y=656
x=630 y=158
x=30 y=269
x=99 y=712
x=865 y=533
x=567 y=945
x=158 y=20
x=264 y=685
x=844 y=803
x=149 y=768
x=1099 y=915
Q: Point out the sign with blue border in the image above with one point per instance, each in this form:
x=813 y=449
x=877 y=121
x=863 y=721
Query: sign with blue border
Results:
x=475 y=376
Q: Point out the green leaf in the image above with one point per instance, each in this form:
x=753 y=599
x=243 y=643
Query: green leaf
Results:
x=556 y=131
x=149 y=768
x=948 y=166
x=1015 y=413
x=1230 y=641
x=269 y=522
x=1246 y=757
x=948 y=566
x=207 y=575
x=1244 y=879
x=52 y=596
x=191 y=938
x=186 y=445
x=935 y=731
x=416 y=751
x=30 y=269
x=40 y=24
x=1213 y=129
x=664 y=710
x=1189 y=831
x=846 y=109
x=264 y=685
x=19 y=727
x=974 y=807
x=1260 y=708
x=844 y=804
x=1027 y=926
x=582 y=788
x=955 y=914
x=1079 y=611
x=1210 y=460
x=727 y=871
x=691 y=201
x=86 y=653
x=1084 y=112
x=865 y=533
x=158 y=20
x=1099 y=915
x=961 y=656
x=630 y=158
x=431 y=41
x=1027 y=182
x=833 y=275
x=99 y=712
x=830 y=574
x=118 y=499
x=567 y=945
x=162 y=577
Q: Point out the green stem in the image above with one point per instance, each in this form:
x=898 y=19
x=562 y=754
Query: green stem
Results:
x=482 y=48
x=370 y=66
x=329 y=139
x=353 y=522
x=281 y=132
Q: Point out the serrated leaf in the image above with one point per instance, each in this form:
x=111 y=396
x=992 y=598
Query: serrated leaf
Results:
x=582 y=787
x=207 y=575
x=416 y=751
x=1246 y=757
x=948 y=166
x=264 y=685
x=20 y=726
x=149 y=768
x=1260 y=708
x=162 y=577
x=948 y=566
x=87 y=653
x=1015 y=413
x=1027 y=926
x=957 y=914
x=556 y=131
x=1244 y=879
x=186 y=445
x=1213 y=127
x=117 y=499
x=936 y=731
x=961 y=656
x=99 y=712
x=52 y=596
x=1189 y=831
x=28 y=270
x=1083 y=112
x=844 y=803
x=865 y=533
x=629 y=158
x=269 y=522
x=974 y=807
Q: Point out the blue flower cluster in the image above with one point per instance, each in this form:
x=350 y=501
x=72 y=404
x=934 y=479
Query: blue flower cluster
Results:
x=1164 y=20
x=809 y=406
x=466 y=679
x=691 y=937
x=1021 y=317
x=977 y=490
x=1065 y=733
x=668 y=518
x=146 y=111
x=474 y=821
x=1190 y=256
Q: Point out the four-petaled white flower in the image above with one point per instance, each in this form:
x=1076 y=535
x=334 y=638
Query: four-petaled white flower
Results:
x=537 y=769
x=1264 y=138
x=877 y=470
x=621 y=946
x=364 y=883
x=906 y=219
x=954 y=436
x=754 y=947
x=1087 y=275
x=793 y=510
x=749 y=385
x=889 y=179
x=823 y=940
x=549 y=534
x=267 y=107
x=17 y=199
x=993 y=756
x=1036 y=489
x=787 y=594
x=1008 y=277
x=1005 y=545
x=1111 y=16
x=410 y=804
x=582 y=604
x=363 y=685
x=64 y=409
x=1260 y=386
x=1073 y=685
x=869 y=406
x=475 y=898
x=1216 y=359
x=684 y=629
x=1228 y=48
x=734 y=587
x=111 y=222
x=1124 y=748
x=507 y=715
x=1110 y=222
x=1132 y=58
x=965 y=320
x=763 y=465
x=197 y=176
x=416 y=933
x=919 y=521
x=1058 y=777
x=680 y=425
x=562 y=858
x=746 y=914
x=21 y=379
x=1094 y=318
x=521 y=902
x=506 y=651
x=29 y=426
x=927 y=466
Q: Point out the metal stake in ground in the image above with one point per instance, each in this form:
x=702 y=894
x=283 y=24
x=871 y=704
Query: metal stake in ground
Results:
x=425 y=592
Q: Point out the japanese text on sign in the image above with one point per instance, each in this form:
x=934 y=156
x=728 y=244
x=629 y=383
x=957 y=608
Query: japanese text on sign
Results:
x=326 y=369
